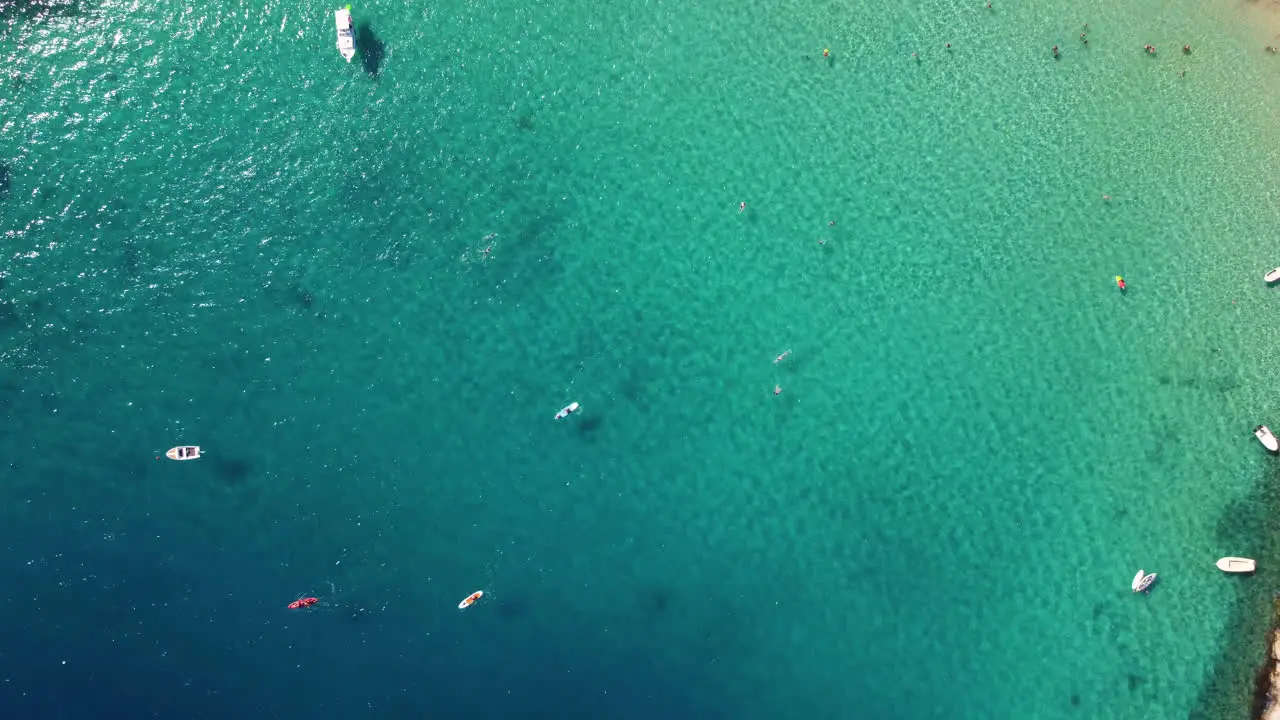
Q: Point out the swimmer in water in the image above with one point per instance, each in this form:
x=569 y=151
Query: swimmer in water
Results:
x=777 y=389
x=781 y=357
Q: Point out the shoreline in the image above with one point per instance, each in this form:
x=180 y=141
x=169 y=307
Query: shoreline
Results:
x=1266 y=704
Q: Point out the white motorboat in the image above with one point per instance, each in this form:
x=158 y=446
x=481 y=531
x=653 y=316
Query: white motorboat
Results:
x=183 y=452
x=346 y=33
x=1273 y=276
x=1268 y=440
x=1142 y=580
x=1237 y=565
x=567 y=410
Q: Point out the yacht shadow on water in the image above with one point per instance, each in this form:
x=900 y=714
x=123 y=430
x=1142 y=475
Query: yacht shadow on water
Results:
x=372 y=49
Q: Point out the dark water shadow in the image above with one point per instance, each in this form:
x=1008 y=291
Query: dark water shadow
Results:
x=512 y=609
x=529 y=261
x=9 y=317
x=1239 y=676
x=232 y=471
x=302 y=296
x=372 y=49
x=589 y=426
x=11 y=10
x=654 y=601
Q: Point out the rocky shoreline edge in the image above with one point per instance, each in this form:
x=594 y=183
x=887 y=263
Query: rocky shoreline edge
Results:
x=1266 y=689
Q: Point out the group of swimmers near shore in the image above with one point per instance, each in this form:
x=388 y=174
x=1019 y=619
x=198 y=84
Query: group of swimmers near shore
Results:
x=1084 y=40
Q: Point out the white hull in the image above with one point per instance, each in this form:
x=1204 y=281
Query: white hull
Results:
x=183 y=452
x=1273 y=276
x=470 y=600
x=346 y=33
x=1268 y=440
x=567 y=410
x=1237 y=565
x=1142 y=581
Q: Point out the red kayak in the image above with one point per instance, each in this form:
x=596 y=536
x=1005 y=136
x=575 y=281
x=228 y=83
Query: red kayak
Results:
x=303 y=603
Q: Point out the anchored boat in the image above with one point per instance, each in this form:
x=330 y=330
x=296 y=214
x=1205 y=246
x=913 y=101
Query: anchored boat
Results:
x=1142 y=580
x=1237 y=565
x=1268 y=440
x=183 y=452
x=346 y=33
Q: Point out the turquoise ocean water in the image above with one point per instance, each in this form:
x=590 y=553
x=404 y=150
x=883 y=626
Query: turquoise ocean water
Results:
x=217 y=232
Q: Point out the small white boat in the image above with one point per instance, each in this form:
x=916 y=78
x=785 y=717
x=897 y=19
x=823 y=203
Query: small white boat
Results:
x=1142 y=581
x=1268 y=440
x=470 y=600
x=567 y=410
x=1237 y=565
x=1273 y=276
x=346 y=33
x=183 y=452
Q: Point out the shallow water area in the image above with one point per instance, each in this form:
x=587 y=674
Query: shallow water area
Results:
x=365 y=289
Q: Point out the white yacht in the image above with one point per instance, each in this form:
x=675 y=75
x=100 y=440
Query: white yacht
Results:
x=1143 y=580
x=1268 y=440
x=1237 y=565
x=1272 y=276
x=346 y=33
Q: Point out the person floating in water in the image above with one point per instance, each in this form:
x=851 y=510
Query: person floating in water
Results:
x=1120 y=283
x=742 y=206
x=781 y=357
x=777 y=389
x=826 y=53
x=1055 y=51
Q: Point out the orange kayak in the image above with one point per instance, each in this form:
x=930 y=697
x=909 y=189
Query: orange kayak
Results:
x=470 y=600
